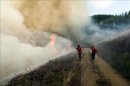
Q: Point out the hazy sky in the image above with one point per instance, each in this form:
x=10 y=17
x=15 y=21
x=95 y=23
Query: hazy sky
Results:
x=108 y=6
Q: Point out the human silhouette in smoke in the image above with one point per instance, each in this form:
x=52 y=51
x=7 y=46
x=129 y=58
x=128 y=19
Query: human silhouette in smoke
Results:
x=79 y=49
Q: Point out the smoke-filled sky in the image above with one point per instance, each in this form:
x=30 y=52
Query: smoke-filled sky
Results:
x=108 y=6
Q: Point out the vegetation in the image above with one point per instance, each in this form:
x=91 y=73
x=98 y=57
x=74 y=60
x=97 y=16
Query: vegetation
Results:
x=54 y=73
x=112 y=21
x=117 y=53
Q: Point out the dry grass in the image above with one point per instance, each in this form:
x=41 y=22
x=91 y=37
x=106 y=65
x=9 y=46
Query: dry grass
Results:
x=54 y=73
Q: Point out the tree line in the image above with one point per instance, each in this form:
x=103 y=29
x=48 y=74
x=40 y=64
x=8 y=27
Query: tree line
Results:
x=108 y=19
x=112 y=20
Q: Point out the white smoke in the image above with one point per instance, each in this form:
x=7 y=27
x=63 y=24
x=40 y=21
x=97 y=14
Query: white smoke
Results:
x=58 y=16
x=16 y=55
x=95 y=34
x=19 y=47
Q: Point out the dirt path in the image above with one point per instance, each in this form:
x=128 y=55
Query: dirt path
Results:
x=99 y=73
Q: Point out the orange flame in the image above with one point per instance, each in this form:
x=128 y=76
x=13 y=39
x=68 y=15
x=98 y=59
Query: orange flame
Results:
x=52 y=40
x=53 y=43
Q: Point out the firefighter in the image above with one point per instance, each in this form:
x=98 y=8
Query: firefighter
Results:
x=79 y=49
x=94 y=51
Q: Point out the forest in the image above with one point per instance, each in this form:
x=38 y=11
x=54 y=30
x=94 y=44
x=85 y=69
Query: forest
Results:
x=112 y=21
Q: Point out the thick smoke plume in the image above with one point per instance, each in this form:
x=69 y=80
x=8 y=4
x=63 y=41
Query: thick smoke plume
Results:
x=22 y=48
x=63 y=17
x=27 y=31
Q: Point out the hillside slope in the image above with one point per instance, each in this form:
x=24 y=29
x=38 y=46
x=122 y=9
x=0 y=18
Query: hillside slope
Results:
x=117 y=53
x=70 y=72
